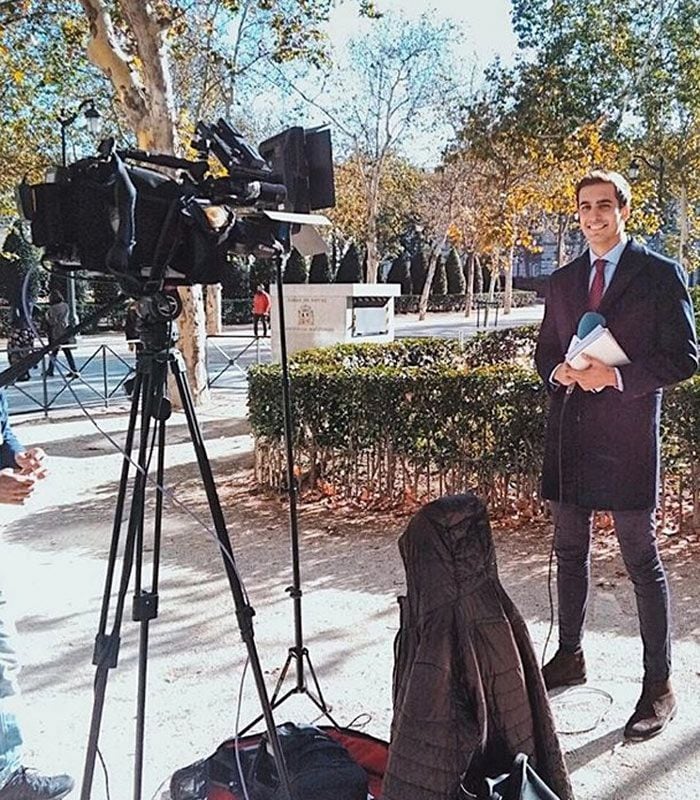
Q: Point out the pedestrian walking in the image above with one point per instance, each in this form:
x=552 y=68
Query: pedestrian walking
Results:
x=57 y=323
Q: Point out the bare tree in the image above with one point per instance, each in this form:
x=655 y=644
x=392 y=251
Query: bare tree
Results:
x=393 y=86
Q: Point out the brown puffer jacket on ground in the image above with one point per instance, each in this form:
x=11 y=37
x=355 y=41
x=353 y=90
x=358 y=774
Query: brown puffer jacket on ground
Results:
x=468 y=693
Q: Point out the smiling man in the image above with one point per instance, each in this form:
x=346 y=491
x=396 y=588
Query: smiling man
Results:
x=602 y=442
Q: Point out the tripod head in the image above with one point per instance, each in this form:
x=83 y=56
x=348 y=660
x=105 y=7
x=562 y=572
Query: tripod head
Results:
x=155 y=319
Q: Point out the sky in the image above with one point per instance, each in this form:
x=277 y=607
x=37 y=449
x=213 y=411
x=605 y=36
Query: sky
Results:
x=486 y=23
x=487 y=33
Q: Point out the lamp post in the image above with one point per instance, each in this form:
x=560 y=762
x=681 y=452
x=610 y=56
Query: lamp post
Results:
x=659 y=169
x=93 y=122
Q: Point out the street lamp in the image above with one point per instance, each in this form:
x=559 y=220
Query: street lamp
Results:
x=93 y=122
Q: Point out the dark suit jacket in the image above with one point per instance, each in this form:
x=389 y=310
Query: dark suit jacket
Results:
x=610 y=439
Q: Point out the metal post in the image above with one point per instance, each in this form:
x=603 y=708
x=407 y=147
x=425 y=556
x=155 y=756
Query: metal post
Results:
x=70 y=299
x=70 y=277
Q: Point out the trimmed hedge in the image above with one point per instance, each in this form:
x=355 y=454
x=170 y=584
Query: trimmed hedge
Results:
x=424 y=417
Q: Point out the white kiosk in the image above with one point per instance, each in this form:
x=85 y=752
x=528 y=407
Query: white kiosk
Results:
x=322 y=314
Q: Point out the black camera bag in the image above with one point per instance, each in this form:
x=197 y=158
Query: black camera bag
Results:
x=319 y=767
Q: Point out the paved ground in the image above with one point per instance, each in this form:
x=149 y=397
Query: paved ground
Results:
x=54 y=556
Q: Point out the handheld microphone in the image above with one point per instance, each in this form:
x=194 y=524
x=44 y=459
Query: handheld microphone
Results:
x=588 y=323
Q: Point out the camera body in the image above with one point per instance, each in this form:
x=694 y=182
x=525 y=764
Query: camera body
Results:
x=116 y=214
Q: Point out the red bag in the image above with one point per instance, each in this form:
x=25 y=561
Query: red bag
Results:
x=218 y=777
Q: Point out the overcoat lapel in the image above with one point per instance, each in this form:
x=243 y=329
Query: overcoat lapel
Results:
x=629 y=265
x=579 y=297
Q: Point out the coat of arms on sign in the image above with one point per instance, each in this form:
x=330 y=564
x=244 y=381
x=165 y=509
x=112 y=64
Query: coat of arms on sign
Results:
x=305 y=317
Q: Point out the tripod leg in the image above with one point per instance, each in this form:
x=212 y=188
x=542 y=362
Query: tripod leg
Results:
x=244 y=611
x=106 y=651
x=294 y=590
x=146 y=602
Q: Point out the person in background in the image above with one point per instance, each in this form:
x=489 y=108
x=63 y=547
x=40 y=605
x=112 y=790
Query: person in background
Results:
x=20 y=470
x=261 y=309
x=57 y=324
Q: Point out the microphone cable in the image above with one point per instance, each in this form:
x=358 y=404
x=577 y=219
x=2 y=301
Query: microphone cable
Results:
x=560 y=476
x=563 y=700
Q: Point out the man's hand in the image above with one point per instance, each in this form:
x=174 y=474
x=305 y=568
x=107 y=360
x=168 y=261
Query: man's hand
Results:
x=31 y=462
x=15 y=488
x=596 y=376
x=564 y=374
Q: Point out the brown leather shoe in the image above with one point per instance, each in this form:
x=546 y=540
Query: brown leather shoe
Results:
x=565 y=669
x=655 y=709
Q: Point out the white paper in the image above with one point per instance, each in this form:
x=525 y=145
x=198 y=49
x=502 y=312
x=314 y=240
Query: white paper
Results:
x=600 y=344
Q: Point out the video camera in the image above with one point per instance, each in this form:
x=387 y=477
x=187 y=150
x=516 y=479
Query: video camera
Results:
x=109 y=215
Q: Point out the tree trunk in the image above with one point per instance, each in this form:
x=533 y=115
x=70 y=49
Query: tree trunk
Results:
x=508 y=288
x=372 y=212
x=469 y=293
x=432 y=265
x=493 y=277
x=479 y=275
x=193 y=343
x=562 y=227
x=682 y=224
x=213 y=309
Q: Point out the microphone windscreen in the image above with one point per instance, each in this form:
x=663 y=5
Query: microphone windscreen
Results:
x=588 y=322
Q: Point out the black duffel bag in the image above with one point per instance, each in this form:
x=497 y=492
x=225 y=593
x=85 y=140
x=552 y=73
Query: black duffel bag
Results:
x=319 y=767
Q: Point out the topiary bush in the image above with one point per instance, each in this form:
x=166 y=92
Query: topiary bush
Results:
x=350 y=269
x=456 y=282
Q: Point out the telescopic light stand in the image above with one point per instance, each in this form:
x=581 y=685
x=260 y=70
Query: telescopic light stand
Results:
x=299 y=653
x=155 y=360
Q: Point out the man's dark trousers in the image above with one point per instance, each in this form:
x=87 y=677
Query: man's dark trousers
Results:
x=636 y=533
x=259 y=318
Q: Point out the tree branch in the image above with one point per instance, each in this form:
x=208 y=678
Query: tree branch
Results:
x=106 y=53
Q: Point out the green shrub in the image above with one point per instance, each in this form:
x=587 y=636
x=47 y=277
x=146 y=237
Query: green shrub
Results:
x=424 y=417
x=350 y=269
x=320 y=271
x=419 y=270
x=439 y=285
x=400 y=272
x=296 y=270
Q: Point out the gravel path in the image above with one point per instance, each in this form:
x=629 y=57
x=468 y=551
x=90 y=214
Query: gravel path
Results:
x=54 y=556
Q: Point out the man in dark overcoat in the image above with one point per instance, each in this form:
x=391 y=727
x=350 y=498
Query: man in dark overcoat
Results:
x=602 y=443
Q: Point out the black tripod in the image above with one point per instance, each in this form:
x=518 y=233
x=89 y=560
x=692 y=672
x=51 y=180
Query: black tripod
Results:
x=298 y=653
x=155 y=361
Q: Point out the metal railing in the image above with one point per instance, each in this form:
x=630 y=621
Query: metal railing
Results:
x=103 y=371
x=232 y=358
x=98 y=378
